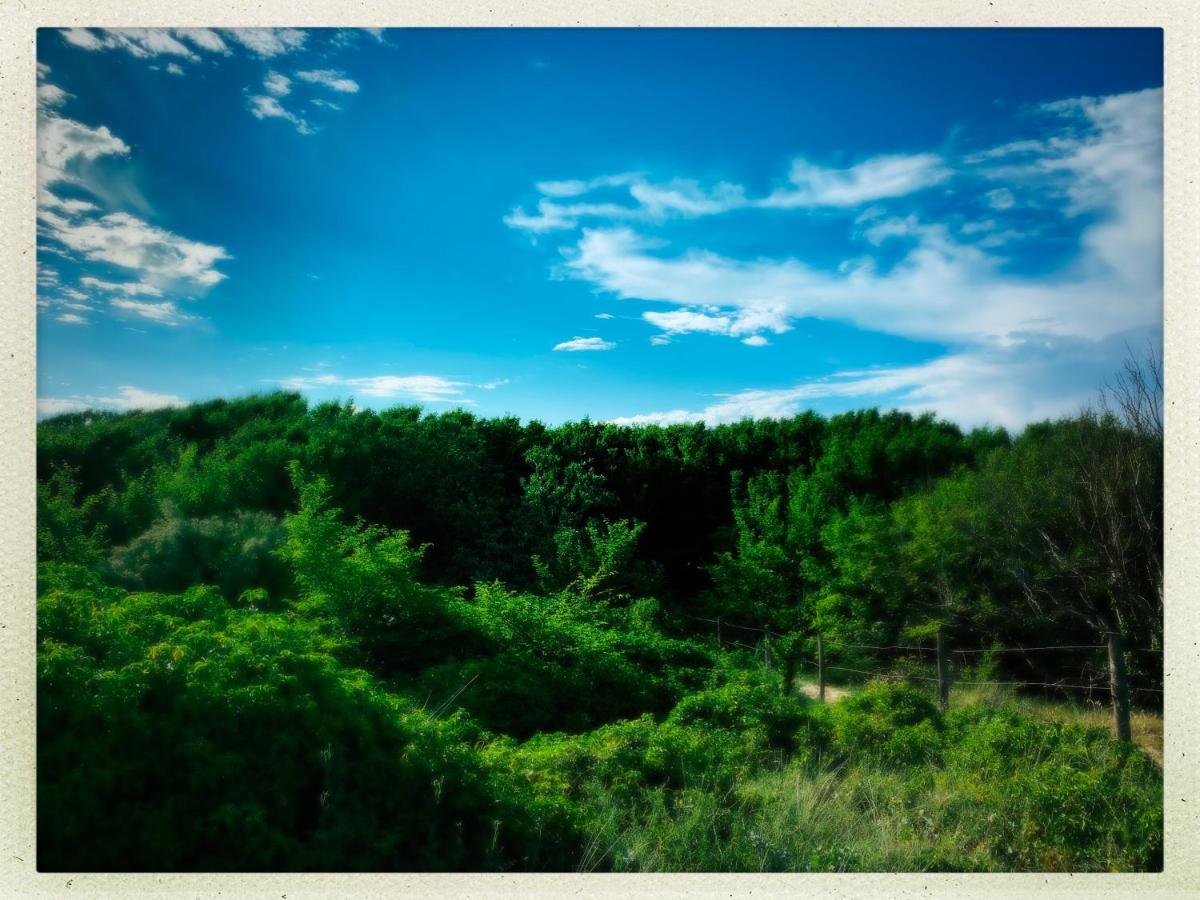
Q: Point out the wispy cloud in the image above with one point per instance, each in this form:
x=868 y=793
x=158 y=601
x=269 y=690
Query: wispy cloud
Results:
x=952 y=282
x=147 y=42
x=79 y=229
x=128 y=288
x=265 y=106
x=127 y=398
x=578 y=344
x=741 y=322
x=809 y=186
x=422 y=388
x=277 y=84
x=330 y=78
x=268 y=42
x=64 y=144
x=163 y=313
x=158 y=256
x=996 y=386
x=942 y=288
x=873 y=179
x=51 y=95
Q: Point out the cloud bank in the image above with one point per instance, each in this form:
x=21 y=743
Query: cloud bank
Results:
x=1012 y=339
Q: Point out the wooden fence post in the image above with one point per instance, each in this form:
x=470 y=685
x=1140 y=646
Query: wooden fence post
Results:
x=789 y=669
x=1118 y=685
x=943 y=669
x=820 y=668
x=767 y=645
x=719 y=633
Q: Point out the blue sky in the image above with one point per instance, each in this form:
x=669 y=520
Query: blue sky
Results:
x=635 y=225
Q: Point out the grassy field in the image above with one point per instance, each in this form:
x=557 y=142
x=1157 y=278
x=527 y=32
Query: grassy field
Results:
x=997 y=783
x=1147 y=726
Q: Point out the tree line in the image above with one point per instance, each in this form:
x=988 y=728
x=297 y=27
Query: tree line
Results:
x=275 y=635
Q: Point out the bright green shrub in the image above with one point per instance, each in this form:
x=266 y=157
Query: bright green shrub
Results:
x=751 y=702
x=177 y=733
x=896 y=723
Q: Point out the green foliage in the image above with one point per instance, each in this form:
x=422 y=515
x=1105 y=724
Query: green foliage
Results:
x=281 y=637
x=227 y=739
x=890 y=722
x=235 y=553
x=65 y=529
x=362 y=580
x=561 y=662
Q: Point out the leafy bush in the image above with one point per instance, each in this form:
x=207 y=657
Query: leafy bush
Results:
x=235 y=553
x=362 y=580
x=179 y=733
x=896 y=723
x=560 y=662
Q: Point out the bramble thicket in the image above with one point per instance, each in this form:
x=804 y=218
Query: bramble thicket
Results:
x=282 y=636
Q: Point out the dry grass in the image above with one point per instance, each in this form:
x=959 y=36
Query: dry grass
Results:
x=1147 y=727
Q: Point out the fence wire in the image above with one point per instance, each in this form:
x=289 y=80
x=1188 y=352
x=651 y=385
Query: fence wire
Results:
x=836 y=645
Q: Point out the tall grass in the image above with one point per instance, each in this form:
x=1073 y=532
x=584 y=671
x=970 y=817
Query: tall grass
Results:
x=995 y=784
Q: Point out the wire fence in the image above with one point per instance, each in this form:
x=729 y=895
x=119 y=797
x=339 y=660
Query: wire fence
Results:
x=1111 y=683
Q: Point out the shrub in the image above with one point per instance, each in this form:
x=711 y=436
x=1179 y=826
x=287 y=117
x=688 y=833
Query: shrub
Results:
x=896 y=723
x=177 y=733
x=235 y=553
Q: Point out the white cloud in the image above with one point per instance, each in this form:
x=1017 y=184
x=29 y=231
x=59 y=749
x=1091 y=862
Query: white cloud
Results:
x=160 y=257
x=163 y=313
x=755 y=340
x=687 y=198
x=810 y=187
x=204 y=38
x=147 y=42
x=577 y=344
x=277 y=84
x=884 y=228
x=77 y=229
x=423 y=388
x=268 y=42
x=64 y=143
x=71 y=319
x=553 y=216
x=129 y=289
x=943 y=289
x=570 y=188
x=604 y=315
x=996 y=386
x=265 y=107
x=731 y=322
x=330 y=78
x=127 y=398
x=174 y=69
x=873 y=179
x=684 y=321
x=51 y=95
x=1000 y=199
x=1101 y=156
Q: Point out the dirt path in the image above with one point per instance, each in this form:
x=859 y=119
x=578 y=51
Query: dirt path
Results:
x=832 y=692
